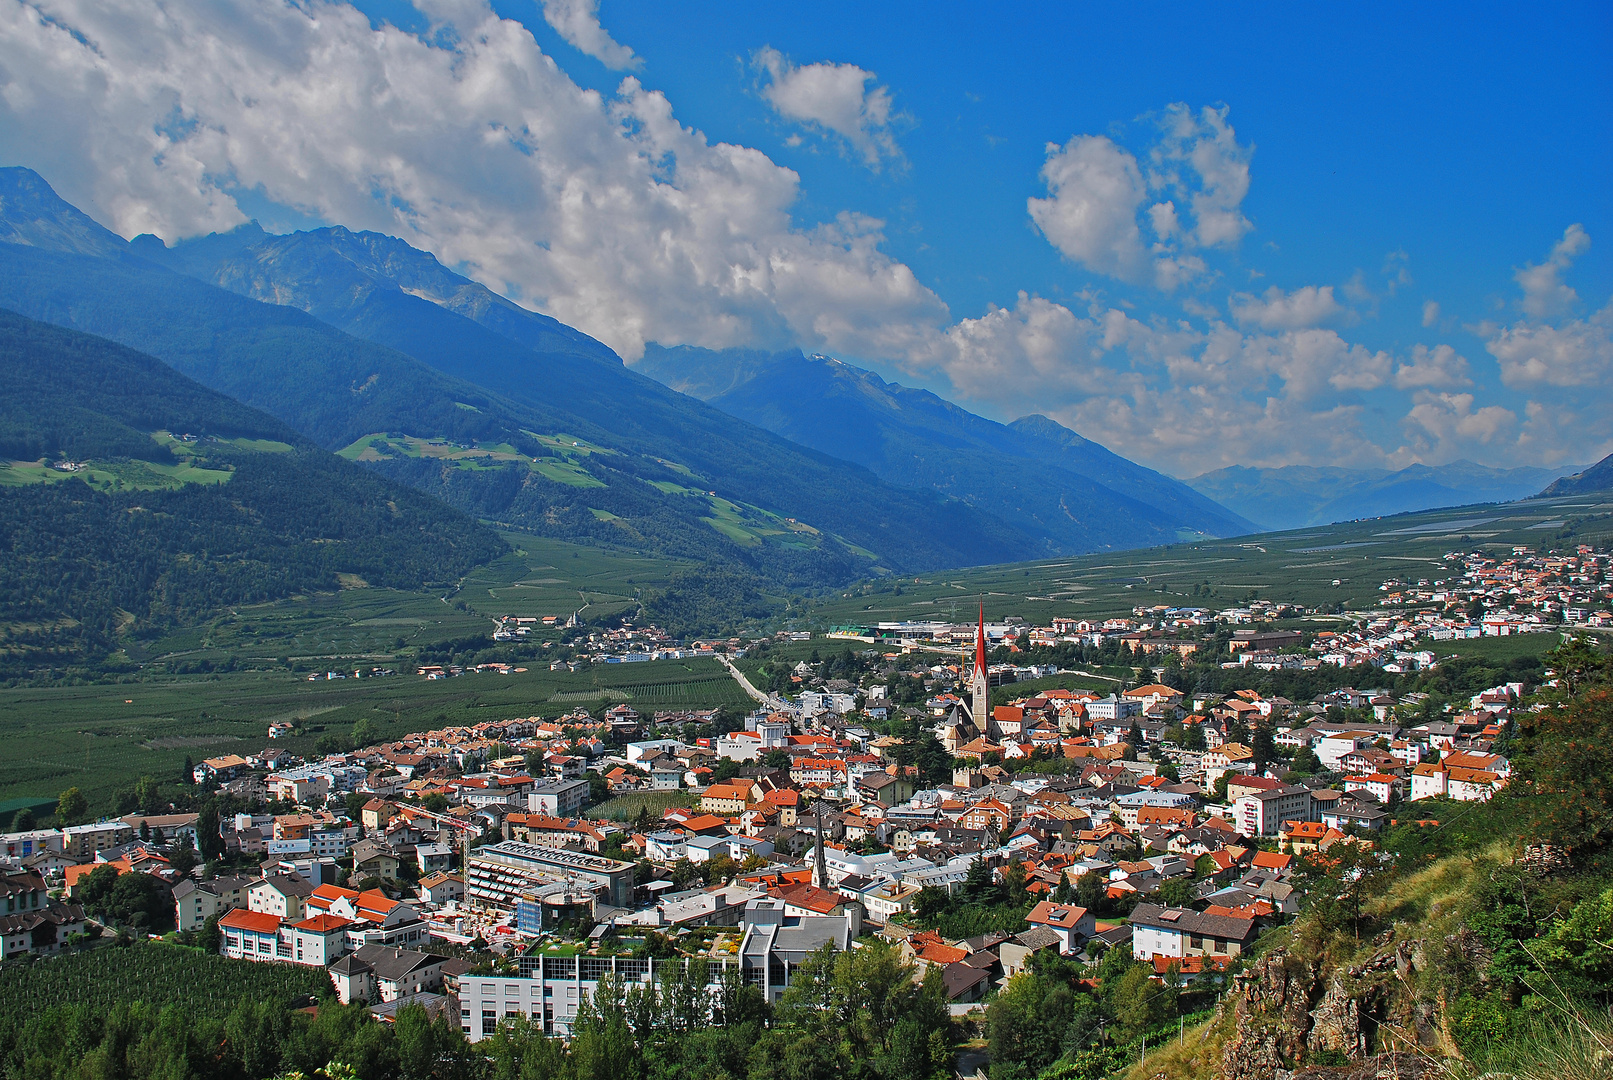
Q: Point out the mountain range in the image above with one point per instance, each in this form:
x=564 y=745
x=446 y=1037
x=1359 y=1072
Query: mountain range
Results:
x=1043 y=479
x=1297 y=496
x=358 y=336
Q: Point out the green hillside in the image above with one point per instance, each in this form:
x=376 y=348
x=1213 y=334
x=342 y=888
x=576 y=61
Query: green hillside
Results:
x=134 y=501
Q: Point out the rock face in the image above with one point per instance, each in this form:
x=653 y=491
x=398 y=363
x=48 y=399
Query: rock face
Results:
x=1287 y=1012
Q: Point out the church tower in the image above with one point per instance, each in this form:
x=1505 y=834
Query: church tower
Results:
x=979 y=688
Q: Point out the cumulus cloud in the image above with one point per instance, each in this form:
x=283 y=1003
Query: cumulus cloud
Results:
x=1276 y=310
x=1438 y=368
x=1578 y=352
x=1545 y=349
x=1094 y=192
x=1544 y=293
x=468 y=141
x=1106 y=213
x=1452 y=424
x=1205 y=144
x=837 y=99
x=578 y=22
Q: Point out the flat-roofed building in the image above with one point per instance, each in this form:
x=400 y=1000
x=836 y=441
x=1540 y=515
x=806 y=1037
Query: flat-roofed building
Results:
x=499 y=874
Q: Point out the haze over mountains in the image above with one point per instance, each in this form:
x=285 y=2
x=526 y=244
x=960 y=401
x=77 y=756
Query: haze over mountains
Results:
x=1296 y=496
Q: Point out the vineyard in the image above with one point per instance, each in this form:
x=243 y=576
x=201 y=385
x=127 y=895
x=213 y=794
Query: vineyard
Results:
x=207 y=985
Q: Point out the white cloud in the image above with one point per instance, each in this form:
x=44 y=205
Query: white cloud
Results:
x=467 y=141
x=1451 y=425
x=1090 y=214
x=1438 y=368
x=1276 y=310
x=1097 y=190
x=578 y=22
x=1578 y=352
x=833 y=98
x=1430 y=312
x=1207 y=145
x=1544 y=293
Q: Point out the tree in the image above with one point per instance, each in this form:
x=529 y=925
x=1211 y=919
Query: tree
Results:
x=598 y=787
x=209 y=938
x=1091 y=889
x=726 y=770
x=1193 y=737
x=71 y=806
x=436 y=802
x=1177 y=892
x=365 y=732
x=930 y=902
x=182 y=857
x=187 y=772
x=1306 y=762
x=1139 y=1004
x=776 y=759
x=1220 y=788
x=209 y=840
x=1264 y=745
x=23 y=821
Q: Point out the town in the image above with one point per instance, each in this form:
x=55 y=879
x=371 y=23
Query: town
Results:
x=503 y=870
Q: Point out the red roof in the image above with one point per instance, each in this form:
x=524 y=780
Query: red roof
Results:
x=980 y=642
x=320 y=924
x=1063 y=916
x=256 y=922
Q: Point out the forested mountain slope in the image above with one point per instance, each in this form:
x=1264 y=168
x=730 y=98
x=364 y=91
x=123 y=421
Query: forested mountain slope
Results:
x=1072 y=495
x=1598 y=477
x=133 y=499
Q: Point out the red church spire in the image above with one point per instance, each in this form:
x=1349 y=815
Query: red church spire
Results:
x=980 y=640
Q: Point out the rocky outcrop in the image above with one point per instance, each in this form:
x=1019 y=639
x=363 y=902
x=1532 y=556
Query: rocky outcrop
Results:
x=1288 y=1012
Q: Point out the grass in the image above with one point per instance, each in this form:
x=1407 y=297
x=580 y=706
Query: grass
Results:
x=627 y=807
x=114 y=476
x=1498 y=648
x=1193 y=1054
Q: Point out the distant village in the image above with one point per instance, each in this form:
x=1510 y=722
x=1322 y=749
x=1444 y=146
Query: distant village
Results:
x=505 y=868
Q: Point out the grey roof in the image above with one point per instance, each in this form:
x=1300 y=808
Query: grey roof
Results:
x=290 y=884
x=1226 y=927
x=960 y=978
x=394 y=964
x=1038 y=937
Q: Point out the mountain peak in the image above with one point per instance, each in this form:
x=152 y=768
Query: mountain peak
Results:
x=32 y=214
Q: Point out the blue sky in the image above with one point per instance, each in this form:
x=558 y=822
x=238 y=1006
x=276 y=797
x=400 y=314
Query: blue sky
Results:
x=1363 y=163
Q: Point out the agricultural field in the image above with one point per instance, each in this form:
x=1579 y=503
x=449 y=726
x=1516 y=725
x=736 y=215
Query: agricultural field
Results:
x=157 y=974
x=627 y=807
x=1321 y=566
x=114 y=475
x=362 y=626
x=102 y=738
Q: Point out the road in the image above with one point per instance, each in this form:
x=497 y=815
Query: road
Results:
x=772 y=701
